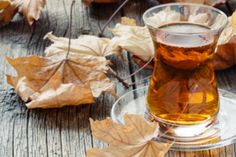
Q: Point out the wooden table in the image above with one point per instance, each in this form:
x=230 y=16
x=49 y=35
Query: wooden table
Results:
x=66 y=132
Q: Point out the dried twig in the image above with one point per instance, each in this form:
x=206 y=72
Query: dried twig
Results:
x=118 y=77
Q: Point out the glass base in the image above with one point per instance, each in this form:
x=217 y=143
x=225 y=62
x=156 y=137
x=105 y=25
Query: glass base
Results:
x=217 y=132
x=175 y=131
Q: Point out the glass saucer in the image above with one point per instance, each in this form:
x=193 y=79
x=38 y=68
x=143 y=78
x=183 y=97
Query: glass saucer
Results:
x=221 y=134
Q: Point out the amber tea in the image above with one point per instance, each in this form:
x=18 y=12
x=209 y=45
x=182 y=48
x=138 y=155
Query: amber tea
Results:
x=183 y=89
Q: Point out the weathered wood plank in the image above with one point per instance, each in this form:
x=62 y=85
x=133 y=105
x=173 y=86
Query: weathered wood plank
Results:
x=21 y=143
x=7 y=126
x=53 y=133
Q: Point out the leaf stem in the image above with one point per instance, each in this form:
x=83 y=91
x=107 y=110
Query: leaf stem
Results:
x=70 y=28
x=112 y=16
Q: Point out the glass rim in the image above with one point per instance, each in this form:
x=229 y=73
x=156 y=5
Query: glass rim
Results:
x=186 y=4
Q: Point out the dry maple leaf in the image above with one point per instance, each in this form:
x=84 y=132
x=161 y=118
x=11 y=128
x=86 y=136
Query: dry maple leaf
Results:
x=134 y=138
x=30 y=9
x=54 y=81
x=84 y=45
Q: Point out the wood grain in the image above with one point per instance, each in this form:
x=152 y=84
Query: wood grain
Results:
x=66 y=132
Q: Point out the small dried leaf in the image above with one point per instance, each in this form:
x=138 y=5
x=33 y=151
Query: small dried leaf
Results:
x=54 y=81
x=134 y=39
x=134 y=138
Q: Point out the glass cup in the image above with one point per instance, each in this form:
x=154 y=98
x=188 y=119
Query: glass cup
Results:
x=183 y=95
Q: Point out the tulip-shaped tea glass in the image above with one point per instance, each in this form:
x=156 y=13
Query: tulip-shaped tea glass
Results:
x=182 y=94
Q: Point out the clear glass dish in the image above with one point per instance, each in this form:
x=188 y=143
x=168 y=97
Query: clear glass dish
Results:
x=222 y=133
